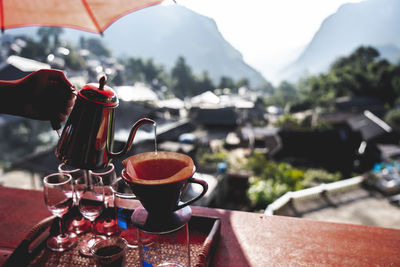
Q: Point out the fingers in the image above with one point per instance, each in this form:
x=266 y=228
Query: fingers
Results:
x=68 y=97
x=68 y=109
x=48 y=95
x=59 y=76
x=62 y=117
x=71 y=101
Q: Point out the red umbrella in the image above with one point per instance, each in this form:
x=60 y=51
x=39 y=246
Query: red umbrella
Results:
x=88 y=15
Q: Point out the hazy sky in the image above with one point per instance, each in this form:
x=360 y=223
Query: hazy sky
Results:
x=268 y=33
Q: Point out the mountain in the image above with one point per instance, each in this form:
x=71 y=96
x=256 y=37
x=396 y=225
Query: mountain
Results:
x=371 y=22
x=165 y=32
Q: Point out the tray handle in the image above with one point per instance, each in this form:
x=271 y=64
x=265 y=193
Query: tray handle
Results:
x=19 y=256
x=210 y=244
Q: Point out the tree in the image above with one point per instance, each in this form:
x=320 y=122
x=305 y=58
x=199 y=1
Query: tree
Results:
x=243 y=82
x=267 y=88
x=362 y=73
x=74 y=61
x=46 y=33
x=151 y=71
x=97 y=48
x=393 y=118
x=34 y=50
x=204 y=83
x=183 y=79
x=134 y=69
x=226 y=82
x=285 y=94
x=359 y=59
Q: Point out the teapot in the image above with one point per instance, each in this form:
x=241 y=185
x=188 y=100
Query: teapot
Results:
x=87 y=138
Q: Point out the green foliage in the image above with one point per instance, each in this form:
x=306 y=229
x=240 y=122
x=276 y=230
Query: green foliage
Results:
x=34 y=50
x=184 y=83
x=206 y=158
x=203 y=83
x=151 y=71
x=95 y=46
x=287 y=121
x=180 y=82
x=271 y=179
x=134 y=69
x=74 y=61
x=226 y=82
x=285 y=95
x=313 y=177
x=393 y=118
x=47 y=33
x=263 y=192
x=183 y=79
x=242 y=83
x=308 y=123
x=362 y=73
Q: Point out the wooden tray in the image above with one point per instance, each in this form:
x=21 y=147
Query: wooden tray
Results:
x=203 y=233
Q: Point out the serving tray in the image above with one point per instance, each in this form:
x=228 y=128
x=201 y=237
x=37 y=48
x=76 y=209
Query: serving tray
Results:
x=203 y=233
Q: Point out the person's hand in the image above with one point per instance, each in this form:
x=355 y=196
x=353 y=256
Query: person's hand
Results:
x=46 y=95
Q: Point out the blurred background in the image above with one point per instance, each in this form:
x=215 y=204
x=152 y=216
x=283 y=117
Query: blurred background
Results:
x=288 y=108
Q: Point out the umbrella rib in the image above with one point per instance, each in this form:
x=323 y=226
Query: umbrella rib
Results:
x=91 y=15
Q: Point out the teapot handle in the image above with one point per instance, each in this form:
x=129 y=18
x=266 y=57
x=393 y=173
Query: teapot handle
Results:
x=132 y=134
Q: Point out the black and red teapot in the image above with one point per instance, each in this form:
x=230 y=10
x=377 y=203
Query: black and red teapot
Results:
x=87 y=138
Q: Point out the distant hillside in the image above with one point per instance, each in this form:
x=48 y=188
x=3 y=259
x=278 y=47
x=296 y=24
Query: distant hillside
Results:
x=166 y=32
x=371 y=22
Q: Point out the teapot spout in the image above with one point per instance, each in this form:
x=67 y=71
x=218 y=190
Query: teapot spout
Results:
x=132 y=134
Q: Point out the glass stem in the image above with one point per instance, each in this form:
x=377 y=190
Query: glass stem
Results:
x=61 y=224
x=107 y=212
x=92 y=228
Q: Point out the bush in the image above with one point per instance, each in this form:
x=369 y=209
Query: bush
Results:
x=393 y=118
x=262 y=192
x=207 y=158
x=313 y=177
x=287 y=121
x=272 y=179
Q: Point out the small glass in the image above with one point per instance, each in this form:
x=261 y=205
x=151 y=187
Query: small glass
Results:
x=125 y=203
x=109 y=252
x=58 y=190
x=167 y=249
x=106 y=224
x=91 y=203
x=78 y=224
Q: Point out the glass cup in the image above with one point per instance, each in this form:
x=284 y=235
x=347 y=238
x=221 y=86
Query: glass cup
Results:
x=91 y=203
x=109 y=252
x=125 y=203
x=78 y=224
x=57 y=191
x=167 y=249
x=106 y=224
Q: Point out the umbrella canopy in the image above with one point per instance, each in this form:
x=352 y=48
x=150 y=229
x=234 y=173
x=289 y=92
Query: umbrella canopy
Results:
x=88 y=15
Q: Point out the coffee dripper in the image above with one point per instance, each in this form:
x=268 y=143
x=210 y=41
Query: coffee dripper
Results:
x=87 y=138
x=160 y=194
x=159 y=180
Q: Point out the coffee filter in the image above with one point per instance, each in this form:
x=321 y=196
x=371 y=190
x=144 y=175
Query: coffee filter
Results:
x=134 y=174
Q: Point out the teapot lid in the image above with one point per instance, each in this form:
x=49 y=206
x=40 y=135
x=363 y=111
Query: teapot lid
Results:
x=99 y=93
